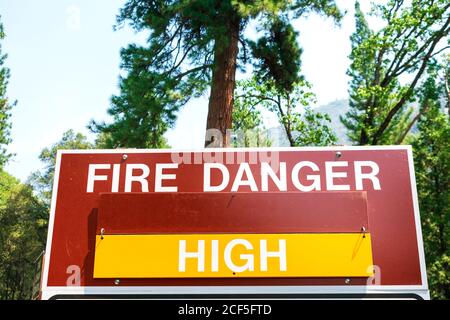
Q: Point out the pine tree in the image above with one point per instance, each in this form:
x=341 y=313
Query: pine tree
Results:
x=42 y=181
x=23 y=221
x=193 y=46
x=142 y=112
x=5 y=106
x=431 y=157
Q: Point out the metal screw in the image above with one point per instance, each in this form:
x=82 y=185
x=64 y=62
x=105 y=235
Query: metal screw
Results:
x=347 y=281
x=102 y=232
x=338 y=155
x=117 y=282
x=125 y=157
x=363 y=229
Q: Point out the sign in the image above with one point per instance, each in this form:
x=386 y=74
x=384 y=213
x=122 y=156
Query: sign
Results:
x=215 y=256
x=302 y=222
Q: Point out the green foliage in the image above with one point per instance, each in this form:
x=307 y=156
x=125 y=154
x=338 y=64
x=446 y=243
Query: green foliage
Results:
x=23 y=217
x=42 y=181
x=186 y=39
x=431 y=154
x=297 y=7
x=303 y=126
x=248 y=127
x=404 y=46
x=24 y=211
x=23 y=220
x=146 y=106
x=312 y=129
x=277 y=55
x=5 y=106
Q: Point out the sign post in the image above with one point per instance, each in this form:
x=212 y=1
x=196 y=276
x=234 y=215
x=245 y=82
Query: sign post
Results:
x=335 y=222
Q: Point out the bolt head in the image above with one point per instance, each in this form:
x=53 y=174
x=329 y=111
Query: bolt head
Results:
x=117 y=282
x=125 y=157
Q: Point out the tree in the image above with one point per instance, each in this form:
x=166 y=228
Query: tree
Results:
x=42 y=181
x=248 y=126
x=5 y=105
x=143 y=111
x=303 y=127
x=24 y=212
x=23 y=218
x=431 y=157
x=412 y=36
x=194 y=45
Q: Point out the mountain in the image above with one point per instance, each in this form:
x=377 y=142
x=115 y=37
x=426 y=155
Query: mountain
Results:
x=334 y=110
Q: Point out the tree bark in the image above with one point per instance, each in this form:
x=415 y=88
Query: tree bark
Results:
x=220 y=107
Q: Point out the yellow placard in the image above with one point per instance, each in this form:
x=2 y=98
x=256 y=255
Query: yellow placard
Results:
x=233 y=255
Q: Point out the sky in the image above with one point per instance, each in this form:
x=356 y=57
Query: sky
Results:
x=64 y=60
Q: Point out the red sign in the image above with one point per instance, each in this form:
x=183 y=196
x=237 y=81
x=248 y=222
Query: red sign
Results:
x=329 y=193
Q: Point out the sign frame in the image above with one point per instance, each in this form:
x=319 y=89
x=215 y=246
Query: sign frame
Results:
x=236 y=292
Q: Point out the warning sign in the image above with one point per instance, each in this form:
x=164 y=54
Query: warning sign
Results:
x=304 y=222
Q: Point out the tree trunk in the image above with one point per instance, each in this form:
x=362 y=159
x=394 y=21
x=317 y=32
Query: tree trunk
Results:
x=220 y=106
x=288 y=125
x=447 y=89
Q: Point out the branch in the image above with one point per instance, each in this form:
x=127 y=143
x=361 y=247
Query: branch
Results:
x=260 y=97
x=398 y=57
x=439 y=51
x=175 y=66
x=394 y=9
x=244 y=47
x=178 y=46
x=411 y=88
x=171 y=38
x=431 y=41
x=408 y=128
x=401 y=53
x=183 y=74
